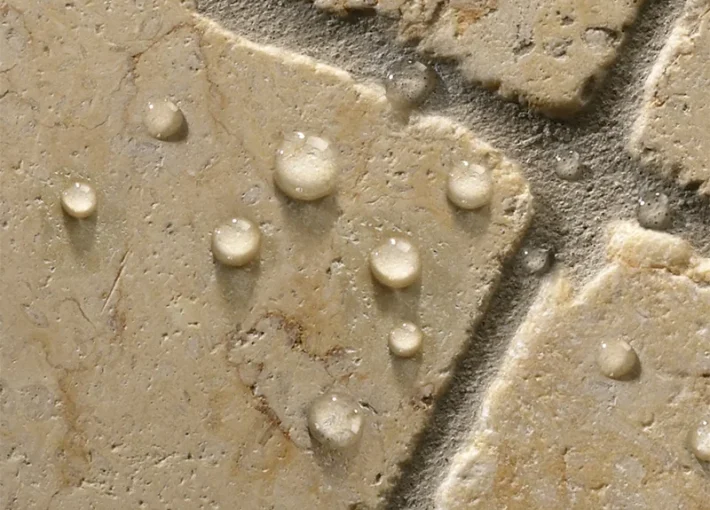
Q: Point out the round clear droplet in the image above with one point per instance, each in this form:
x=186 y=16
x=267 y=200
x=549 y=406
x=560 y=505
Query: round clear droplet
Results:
x=405 y=341
x=568 y=165
x=336 y=421
x=236 y=243
x=654 y=211
x=396 y=263
x=408 y=83
x=617 y=359
x=469 y=186
x=305 y=167
x=79 y=200
x=163 y=119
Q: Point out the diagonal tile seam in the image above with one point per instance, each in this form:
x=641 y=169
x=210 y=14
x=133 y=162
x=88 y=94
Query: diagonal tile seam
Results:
x=598 y=134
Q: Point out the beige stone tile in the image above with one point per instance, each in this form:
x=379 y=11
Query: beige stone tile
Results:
x=550 y=54
x=672 y=131
x=136 y=372
x=554 y=432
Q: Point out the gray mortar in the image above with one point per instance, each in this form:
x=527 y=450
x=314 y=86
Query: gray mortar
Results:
x=569 y=215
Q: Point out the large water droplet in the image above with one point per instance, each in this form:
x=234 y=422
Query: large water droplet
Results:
x=396 y=263
x=405 y=340
x=236 y=243
x=469 y=186
x=163 y=119
x=617 y=359
x=568 y=165
x=653 y=211
x=305 y=167
x=699 y=441
x=79 y=200
x=408 y=83
x=335 y=421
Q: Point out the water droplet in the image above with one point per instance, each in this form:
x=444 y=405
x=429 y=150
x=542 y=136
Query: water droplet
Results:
x=79 y=200
x=469 y=186
x=568 y=166
x=305 y=167
x=163 y=119
x=396 y=263
x=405 y=340
x=408 y=83
x=653 y=211
x=236 y=243
x=335 y=421
x=699 y=441
x=617 y=359
x=537 y=260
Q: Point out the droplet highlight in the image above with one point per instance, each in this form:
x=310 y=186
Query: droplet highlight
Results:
x=653 y=211
x=699 y=441
x=617 y=359
x=305 y=167
x=568 y=166
x=163 y=119
x=405 y=341
x=469 y=186
x=79 y=200
x=396 y=263
x=236 y=243
x=335 y=421
x=408 y=83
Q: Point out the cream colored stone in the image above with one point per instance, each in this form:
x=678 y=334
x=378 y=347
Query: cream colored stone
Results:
x=550 y=54
x=672 y=132
x=556 y=433
x=138 y=373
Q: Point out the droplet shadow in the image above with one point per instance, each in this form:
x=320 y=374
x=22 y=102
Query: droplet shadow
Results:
x=238 y=284
x=313 y=219
x=82 y=233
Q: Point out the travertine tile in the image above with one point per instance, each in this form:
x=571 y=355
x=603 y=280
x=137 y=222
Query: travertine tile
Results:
x=551 y=54
x=672 y=131
x=600 y=391
x=136 y=372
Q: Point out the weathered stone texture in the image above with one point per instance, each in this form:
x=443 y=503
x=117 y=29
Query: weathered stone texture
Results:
x=555 y=433
x=137 y=373
x=672 y=132
x=551 y=54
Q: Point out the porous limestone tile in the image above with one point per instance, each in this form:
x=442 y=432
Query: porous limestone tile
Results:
x=556 y=433
x=672 y=132
x=550 y=54
x=135 y=371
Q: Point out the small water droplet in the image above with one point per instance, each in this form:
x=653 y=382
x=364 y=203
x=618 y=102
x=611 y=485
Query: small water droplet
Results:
x=396 y=263
x=163 y=119
x=236 y=243
x=617 y=359
x=335 y=421
x=699 y=441
x=79 y=200
x=408 y=83
x=305 y=167
x=469 y=186
x=568 y=166
x=405 y=340
x=537 y=260
x=653 y=211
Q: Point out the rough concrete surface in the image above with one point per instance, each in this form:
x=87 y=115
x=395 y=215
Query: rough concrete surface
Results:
x=168 y=338
x=673 y=128
x=139 y=372
x=557 y=431
x=549 y=54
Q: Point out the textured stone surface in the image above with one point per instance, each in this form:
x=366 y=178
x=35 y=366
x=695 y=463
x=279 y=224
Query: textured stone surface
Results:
x=555 y=433
x=673 y=129
x=136 y=372
x=551 y=54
